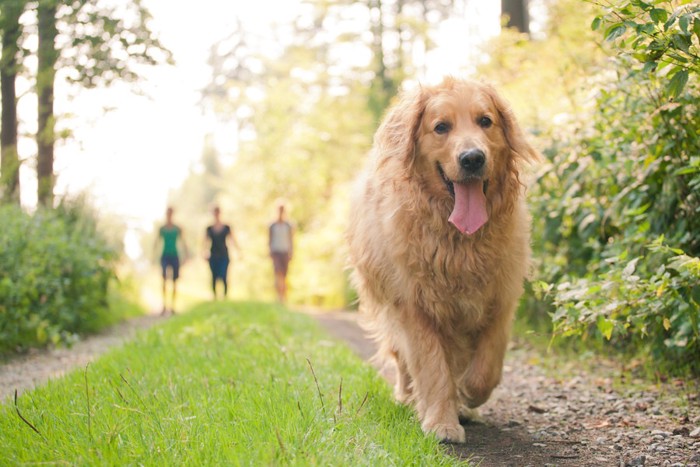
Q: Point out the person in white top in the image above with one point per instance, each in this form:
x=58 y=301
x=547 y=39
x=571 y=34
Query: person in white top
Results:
x=281 y=249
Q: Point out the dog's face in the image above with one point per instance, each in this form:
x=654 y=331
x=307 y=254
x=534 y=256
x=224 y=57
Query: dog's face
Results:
x=460 y=137
x=464 y=143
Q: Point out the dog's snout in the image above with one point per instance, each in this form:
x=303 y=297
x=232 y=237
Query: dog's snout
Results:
x=472 y=161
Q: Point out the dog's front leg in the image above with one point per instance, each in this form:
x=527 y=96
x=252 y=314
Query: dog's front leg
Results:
x=402 y=389
x=433 y=387
x=484 y=371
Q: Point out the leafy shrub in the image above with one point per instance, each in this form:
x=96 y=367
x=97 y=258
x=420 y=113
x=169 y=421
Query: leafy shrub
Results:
x=618 y=211
x=55 y=270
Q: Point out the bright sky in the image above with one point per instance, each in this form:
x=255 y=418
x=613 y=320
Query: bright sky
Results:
x=130 y=157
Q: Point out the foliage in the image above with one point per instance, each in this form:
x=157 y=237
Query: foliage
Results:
x=547 y=78
x=55 y=274
x=631 y=306
x=117 y=38
x=256 y=385
x=658 y=34
x=618 y=208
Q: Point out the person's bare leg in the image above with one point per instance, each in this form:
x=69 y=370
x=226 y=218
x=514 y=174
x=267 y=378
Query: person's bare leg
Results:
x=164 y=309
x=280 y=292
x=172 y=309
x=283 y=282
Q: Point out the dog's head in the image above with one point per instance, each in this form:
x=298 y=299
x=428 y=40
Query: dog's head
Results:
x=460 y=140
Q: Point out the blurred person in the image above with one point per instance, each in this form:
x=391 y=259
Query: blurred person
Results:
x=171 y=237
x=218 y=235
x=281 y=249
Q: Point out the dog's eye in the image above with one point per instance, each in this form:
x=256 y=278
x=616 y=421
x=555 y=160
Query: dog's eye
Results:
x=442 y=128
x=485 y=122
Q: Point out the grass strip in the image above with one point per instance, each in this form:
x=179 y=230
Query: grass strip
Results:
x=225 y=384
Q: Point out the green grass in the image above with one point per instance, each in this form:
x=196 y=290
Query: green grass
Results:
x=226 y=384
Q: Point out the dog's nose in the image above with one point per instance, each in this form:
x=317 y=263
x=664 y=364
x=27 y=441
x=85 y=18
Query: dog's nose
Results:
x=472 y=160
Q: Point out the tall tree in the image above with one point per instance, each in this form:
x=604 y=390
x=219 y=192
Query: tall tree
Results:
x=517 y=13
x=46 y=73
x=383 y=87
x=103 y=45
x=9 y=157
x=398 y=28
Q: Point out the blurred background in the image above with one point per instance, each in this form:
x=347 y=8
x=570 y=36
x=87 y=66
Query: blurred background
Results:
x=114 y=110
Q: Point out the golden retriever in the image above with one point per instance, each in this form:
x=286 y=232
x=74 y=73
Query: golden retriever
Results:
x=439 y=240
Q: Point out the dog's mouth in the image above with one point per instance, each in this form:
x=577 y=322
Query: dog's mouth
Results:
x=450 y=185
x=469 y=213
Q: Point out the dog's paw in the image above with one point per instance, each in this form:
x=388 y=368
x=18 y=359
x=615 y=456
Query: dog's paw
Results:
x=447 y=433
x=470 y=416
x=401 y=396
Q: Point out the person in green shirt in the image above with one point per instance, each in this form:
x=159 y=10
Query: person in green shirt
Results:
x=171 y=236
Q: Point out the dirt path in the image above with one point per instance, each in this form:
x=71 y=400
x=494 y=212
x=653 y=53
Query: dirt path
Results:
x=532 y=419
x=575 y=419
x=25 y=372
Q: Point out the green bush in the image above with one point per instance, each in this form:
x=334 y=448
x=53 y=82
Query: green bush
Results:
x=618 y=211
x=55 y=270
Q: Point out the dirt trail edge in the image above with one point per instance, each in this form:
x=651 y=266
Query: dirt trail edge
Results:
x=27 y=371
x=576 y=419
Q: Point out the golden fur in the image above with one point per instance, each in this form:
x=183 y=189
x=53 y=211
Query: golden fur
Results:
x=439 y=302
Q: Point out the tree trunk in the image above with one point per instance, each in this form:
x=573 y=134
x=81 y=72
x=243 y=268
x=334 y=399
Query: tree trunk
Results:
x=517 y=12
x=9 y=158
x=46 y=72
x=400 y=63
x=383 y=86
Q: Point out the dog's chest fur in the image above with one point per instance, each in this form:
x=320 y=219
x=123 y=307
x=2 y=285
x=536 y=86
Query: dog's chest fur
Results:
x=453 y=277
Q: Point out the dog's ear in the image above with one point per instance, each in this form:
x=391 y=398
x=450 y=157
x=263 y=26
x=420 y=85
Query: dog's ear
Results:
x=397 y=135
x=514 y=134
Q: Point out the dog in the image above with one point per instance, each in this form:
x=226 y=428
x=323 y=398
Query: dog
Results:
x=439 y=242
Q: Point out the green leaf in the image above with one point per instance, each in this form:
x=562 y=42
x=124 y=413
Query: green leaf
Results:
x=605 y=326
x=677 y=83
x=669 y=23
x=614 y=32
x=687 y=171
x=649 y=66
x=667 y=323
x=658 y=15
x=597 y=21
x=695 y=294
x=681 y=42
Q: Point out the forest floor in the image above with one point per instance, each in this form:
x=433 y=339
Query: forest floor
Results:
x=543 y=413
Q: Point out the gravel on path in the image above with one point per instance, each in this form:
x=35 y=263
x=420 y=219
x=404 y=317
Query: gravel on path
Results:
x=575 y=418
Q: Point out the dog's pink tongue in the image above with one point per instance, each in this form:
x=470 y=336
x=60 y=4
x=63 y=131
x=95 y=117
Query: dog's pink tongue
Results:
x=469 y=213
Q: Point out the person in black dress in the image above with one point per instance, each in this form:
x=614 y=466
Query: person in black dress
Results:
x=219 y=235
